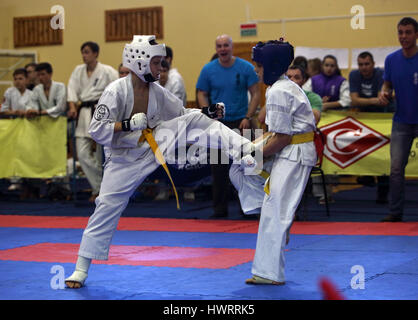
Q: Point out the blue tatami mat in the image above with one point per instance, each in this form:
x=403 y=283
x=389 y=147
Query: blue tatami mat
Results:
x=389 y=263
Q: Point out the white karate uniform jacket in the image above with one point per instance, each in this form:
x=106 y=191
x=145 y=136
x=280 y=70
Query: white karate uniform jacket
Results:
x=14 y=100
x=55 y=104
x=84 y=88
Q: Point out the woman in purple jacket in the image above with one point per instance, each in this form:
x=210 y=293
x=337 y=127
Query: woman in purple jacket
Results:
x=330 y=85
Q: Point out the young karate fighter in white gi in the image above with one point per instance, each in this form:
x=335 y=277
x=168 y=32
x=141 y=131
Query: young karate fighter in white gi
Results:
x=290 y=118
x=86 y=85
x=126 y=108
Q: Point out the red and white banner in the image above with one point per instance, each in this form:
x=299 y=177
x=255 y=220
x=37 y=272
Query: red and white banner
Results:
x=358 y=143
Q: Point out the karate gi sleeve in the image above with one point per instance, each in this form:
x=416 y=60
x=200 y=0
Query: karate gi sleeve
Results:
x=61 y=103
x=126 y=139
x=279 y=112
x=33 y=103
x=113 y=74
x=178 y=89
x=307 y=85
x=102 y=124
x=345 y=99
x=189 y=110
x=5 y=106
x=73 y=87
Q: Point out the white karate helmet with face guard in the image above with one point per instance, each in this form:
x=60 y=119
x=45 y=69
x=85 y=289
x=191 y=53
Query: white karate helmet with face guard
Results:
x=137 y=56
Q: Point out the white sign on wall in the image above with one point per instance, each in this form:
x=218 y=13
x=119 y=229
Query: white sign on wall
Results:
x=379 y=55
x=311 y=53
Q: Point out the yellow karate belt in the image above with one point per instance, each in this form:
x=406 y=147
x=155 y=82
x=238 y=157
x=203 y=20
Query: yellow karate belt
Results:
x=303 y=137
x=296 y=139
x=147 y=135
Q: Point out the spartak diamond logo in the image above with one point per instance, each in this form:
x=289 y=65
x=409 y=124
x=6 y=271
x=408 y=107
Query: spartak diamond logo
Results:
x=348 y=140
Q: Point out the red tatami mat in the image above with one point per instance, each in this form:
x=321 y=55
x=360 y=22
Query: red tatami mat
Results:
x=157 y=256
x=227 y=226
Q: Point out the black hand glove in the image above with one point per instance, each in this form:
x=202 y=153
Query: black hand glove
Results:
x=212 y=110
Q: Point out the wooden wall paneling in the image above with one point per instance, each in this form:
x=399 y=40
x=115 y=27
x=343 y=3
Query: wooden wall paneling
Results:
x=35 y=31
x=138 y=22
x=120 y=19
x=155 y=23
x=32 y=36
x=25 y=36
x=161 y=24
x=16 y=32
x=46 y=24
x=40 y=27
x=149 y=22
x=143 y=23
x=121 y=25
x=24 y=29
x=132 y=18
x=128 y=24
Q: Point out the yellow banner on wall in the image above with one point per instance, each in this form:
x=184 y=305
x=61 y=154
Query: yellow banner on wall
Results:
x=358 y=143
x=35 y=148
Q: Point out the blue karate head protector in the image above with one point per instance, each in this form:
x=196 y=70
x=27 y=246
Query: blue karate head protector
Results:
x=275 y=57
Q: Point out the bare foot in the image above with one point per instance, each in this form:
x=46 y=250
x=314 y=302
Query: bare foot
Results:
x=76 y=280
x=259 y=280
x=73 y=284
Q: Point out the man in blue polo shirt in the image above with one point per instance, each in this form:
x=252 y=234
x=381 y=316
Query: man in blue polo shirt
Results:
x=365 y=84
x=401 y=74
x=228 y=79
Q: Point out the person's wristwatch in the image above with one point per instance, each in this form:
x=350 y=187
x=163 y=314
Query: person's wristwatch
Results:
x=248 y=118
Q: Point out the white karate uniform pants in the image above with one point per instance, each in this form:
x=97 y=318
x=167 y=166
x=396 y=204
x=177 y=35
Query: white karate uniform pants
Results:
x=288 y=180
x=91 y=162
x=250 y=189
x=122 y=175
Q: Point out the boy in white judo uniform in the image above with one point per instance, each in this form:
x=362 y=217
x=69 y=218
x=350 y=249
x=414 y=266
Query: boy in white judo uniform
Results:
x=129 y=111
x=290 y=118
